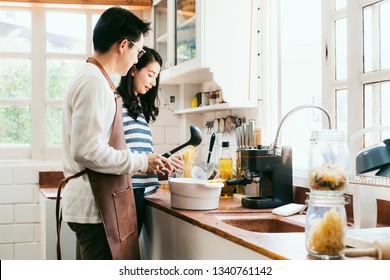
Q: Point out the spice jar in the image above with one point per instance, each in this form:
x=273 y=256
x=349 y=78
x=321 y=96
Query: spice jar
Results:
x=328 y=162
x=326 y=224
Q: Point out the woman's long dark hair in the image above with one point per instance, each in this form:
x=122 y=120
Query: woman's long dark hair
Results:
x=149 y=101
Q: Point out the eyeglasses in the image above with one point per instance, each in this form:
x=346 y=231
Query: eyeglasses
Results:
x=141 y=51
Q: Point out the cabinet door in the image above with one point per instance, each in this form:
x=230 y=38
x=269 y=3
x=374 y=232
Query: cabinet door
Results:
x=160 y=17
x=185 y=42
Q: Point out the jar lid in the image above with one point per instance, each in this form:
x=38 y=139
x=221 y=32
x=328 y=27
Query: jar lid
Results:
x=319 y=199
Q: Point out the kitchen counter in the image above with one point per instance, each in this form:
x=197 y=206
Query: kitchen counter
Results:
x=289 y=245
x=278 y=246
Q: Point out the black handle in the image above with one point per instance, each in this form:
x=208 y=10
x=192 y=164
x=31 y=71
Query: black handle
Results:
x=242 y=182
x=167 y=155
x=212 y=140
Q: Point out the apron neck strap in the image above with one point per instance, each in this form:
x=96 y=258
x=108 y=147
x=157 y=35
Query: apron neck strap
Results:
x=97 y=63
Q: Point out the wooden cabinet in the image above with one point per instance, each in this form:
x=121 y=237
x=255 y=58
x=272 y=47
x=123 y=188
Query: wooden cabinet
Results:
x=208 y=45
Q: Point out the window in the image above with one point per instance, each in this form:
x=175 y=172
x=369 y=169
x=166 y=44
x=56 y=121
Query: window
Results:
x=34 y=73
x=335 y=54
x=361 y=38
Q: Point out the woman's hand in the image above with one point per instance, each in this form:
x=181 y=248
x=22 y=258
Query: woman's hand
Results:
x=177 y=163
x=159 y=164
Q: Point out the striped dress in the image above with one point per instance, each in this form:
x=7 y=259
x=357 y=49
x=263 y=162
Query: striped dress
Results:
x=139 y=140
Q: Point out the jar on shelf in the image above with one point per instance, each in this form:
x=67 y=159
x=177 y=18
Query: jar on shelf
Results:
x=328 y=162
x=326 y=224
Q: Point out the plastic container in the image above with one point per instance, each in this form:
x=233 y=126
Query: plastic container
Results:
x=326 y=224
x=328 y=162
x=192 y=194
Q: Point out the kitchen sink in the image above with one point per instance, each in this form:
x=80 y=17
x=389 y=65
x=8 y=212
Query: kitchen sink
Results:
x=263 y=223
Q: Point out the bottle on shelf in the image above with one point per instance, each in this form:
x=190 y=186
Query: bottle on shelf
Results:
x=226 y=169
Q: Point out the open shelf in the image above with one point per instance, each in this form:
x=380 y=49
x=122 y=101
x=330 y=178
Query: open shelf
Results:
x=213 y=108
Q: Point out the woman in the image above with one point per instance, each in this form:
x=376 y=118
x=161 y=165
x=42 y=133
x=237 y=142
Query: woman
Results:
x=139 y=91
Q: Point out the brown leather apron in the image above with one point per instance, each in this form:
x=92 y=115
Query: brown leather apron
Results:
x=114 y=195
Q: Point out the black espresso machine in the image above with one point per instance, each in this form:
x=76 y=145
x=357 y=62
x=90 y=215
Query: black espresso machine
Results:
x=272 y=172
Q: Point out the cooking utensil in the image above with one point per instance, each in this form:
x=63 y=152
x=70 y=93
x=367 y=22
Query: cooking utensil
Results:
x=216 y=125
x=198 y=173
x=221 y=125
x=244 y=136
x=251 y=132
x=195 y=140
x=212 y=141
x=230 y=123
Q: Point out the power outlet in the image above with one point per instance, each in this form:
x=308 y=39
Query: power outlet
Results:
x=172 y=99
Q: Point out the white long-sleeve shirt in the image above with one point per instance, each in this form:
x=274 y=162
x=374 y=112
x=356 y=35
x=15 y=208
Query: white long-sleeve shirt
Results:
x=88 y=114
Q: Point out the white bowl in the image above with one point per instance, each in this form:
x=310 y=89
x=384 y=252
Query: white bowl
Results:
x=193 y=194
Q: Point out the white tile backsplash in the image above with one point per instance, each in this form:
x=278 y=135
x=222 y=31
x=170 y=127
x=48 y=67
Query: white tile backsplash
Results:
x=7 y=214
x=25 y=176
x=27 y=213
x=22 y=215
x=6 y=176
x=158 y=135
x=29 y=251
x=7 y=252
x=17 y=233
x=17 y=194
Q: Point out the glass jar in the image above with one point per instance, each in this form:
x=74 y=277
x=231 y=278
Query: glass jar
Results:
x=326 y=224
x=328 y=162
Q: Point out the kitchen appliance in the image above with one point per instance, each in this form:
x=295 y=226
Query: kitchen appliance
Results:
x=376 y=157
x=273 y=174
x=193 y=194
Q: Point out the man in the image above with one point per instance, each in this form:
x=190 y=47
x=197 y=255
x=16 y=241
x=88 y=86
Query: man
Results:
x=88 y=113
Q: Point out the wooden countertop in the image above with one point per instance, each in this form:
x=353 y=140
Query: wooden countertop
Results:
x=273 y=245
x=278 y=246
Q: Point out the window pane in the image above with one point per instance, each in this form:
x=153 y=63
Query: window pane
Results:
x=341 y=49
x=385 y=112
x=15 y=31
x=65 y=32
x=341 y=110
x=384 y=36
x=15 y=78
x=59 y=73
x=15 y=125
x=185 y=31
x=300 y=74
x=54 y=126
x=376 y=113
x=368 y=40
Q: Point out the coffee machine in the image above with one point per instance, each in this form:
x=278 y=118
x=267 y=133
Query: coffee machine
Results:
x=272 y=172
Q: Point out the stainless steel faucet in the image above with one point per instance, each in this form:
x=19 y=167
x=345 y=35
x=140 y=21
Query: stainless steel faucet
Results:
x=274 y=149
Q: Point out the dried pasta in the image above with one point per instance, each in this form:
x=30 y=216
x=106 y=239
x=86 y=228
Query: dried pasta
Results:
x=326 y=236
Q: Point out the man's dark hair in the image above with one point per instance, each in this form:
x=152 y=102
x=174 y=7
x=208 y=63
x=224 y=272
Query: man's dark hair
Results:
x=116 y=24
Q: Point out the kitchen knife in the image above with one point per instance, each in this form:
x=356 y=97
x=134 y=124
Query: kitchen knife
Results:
x=251 y=132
